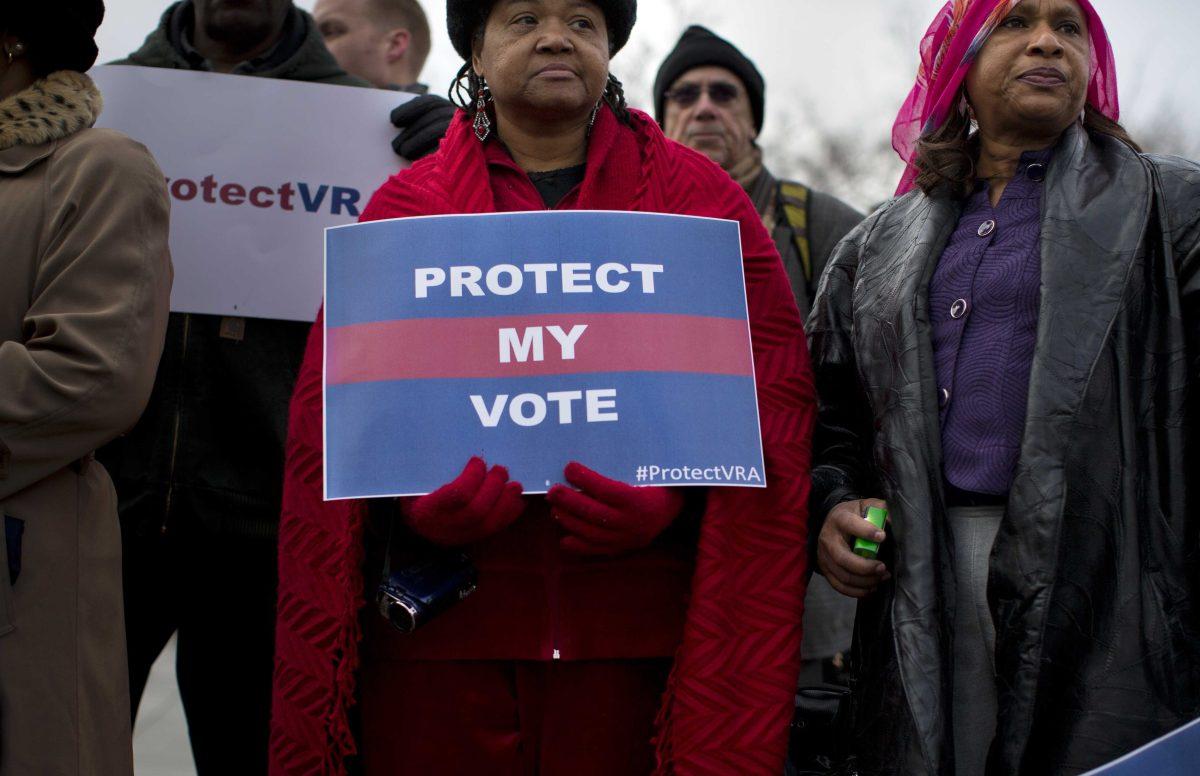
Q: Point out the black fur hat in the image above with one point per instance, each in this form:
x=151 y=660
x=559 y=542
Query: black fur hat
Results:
x=57 y=36
x=464 y=17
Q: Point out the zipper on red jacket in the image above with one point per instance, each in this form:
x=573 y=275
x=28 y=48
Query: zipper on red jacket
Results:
x=554 y=555
x=553 y=574
x=187 y=325
x=571 y=197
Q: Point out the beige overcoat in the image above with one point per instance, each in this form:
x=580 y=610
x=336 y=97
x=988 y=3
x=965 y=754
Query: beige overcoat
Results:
x=85 y=278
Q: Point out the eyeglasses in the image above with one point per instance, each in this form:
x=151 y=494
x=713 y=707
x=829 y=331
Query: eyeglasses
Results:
x=720 y=92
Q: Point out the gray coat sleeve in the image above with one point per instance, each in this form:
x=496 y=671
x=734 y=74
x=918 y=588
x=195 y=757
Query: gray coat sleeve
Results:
x=1181 y=189
x=1189 y=288
x=1180 y=181
x=830 y=220
x=1181 y=192
x=843 y=465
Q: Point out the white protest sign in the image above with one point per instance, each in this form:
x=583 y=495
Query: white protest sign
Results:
x=257 y=169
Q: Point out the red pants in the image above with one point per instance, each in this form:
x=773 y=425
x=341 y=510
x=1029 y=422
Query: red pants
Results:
x=510 y=718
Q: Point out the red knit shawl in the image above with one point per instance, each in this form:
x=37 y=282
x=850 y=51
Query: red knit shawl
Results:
x=729 y=699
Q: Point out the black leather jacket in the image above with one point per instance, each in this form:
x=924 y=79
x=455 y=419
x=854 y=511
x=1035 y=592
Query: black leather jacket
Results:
x=1095 y=576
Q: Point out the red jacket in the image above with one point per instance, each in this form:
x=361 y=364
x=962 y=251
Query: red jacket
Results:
x=736 y=641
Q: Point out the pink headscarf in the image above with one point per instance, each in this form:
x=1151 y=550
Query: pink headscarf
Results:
x=948 y=51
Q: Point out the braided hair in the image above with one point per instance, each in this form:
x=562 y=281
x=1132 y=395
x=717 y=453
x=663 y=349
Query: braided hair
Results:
x=614 y=97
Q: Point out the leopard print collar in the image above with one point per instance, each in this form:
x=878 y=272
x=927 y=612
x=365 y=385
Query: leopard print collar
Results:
x=52 y=108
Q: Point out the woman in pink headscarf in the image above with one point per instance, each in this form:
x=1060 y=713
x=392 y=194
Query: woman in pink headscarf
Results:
x=1007 y=356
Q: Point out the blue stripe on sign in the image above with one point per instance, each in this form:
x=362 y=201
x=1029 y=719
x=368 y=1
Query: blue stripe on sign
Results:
x=371 y=266
x=421 y=432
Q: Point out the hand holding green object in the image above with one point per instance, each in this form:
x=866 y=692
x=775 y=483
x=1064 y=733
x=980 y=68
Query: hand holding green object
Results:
x=849 y=573
x=865 y=548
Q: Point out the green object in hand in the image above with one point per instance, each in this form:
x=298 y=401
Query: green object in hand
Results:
x=868 y=549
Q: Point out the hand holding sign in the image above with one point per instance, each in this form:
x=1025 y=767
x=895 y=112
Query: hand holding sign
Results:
x=477 y=504
x=606 y=517
x=422 y=123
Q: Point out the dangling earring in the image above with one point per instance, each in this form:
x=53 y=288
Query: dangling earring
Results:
x=483 y=125
x=608 y=95
x=14 y=50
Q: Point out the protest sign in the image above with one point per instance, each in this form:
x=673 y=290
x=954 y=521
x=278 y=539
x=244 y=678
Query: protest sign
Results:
x=256 y=168
x=1175 y=754
x=619 y=340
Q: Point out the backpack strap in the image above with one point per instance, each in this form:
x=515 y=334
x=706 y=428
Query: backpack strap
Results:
x=795 y=198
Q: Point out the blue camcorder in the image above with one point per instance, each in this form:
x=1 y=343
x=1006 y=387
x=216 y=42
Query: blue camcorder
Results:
x=425 y=584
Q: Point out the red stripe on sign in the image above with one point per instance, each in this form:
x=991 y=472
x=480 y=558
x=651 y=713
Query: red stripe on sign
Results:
x=424 y=348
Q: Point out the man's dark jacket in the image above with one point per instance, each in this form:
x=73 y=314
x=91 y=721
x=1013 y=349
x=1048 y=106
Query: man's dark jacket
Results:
x=1095 y=577
x=828 y=221
x=209 y=449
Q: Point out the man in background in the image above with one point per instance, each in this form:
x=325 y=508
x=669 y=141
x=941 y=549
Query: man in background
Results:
x=387 y=42
x=199 y=478
x=709 y=96
x=384 y=41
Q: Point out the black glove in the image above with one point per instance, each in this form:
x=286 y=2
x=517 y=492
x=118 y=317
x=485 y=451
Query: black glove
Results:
x=422 y=123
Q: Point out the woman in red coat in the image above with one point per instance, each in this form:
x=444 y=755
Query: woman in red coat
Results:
x=601 y=607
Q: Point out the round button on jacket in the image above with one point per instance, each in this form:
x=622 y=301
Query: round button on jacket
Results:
x=1036 y=172
x=987 y=227
x=959 y=308
x=944 y=396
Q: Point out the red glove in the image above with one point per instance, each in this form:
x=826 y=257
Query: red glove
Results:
x=605 y=517
x=477 y=504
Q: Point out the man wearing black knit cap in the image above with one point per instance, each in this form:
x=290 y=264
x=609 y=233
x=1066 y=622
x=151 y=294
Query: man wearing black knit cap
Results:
x=709 y=96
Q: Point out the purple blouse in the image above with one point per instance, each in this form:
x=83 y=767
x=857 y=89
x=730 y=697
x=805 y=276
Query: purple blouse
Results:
x=983 y=301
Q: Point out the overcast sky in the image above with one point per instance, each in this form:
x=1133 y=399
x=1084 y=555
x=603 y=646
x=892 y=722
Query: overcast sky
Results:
x=852 y=61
